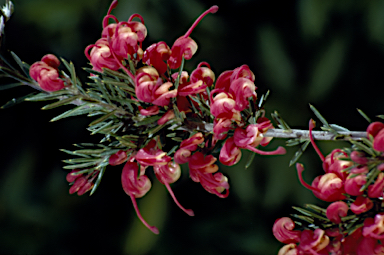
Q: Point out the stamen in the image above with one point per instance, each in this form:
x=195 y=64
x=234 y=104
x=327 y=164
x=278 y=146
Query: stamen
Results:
x=119 y=62
x=152 y=228
x=300 y=169
x=312 y=125
x=134 y=16
x=213 y=9
x=279 y=151
x=107 y=17
x=187 y=211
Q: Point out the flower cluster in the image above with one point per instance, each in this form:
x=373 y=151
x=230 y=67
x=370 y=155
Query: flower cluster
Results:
x=353 y=183
x=202 y=116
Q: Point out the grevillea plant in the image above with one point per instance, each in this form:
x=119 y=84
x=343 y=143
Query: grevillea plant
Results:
x=154 y=116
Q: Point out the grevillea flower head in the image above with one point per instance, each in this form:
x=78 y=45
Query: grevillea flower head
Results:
x=376 y=130
x=136 y=187
x=222 y=104
x=81 y=183
x=283 y=230
x=242 y=89
x=46 y=74
x=185 y=47
x=220 y=129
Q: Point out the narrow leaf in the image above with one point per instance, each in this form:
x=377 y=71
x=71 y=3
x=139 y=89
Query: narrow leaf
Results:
x=15 y=101
x=318 y=115
x=20 y=63
x=103 y=118
x=364 y=115
x=250 y=160
x=97 y=183
x=299 y=153
x=147 y=121
x=11 y=85
x=61 y=102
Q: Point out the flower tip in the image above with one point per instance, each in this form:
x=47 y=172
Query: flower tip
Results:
x=299 y=167
x=312 y=124
x=154 y=229
x=214 y=9
x=281 y=150
x=189 y=212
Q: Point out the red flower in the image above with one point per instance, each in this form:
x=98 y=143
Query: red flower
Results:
x=101 y=56
x=185 y=46
x=201 y=169
x=283 y=230
x=156 y=54
x=336 y=210
x=230 y=154
x=150 y=155
x=46 y=74
x=136 y=187
x=182 y=155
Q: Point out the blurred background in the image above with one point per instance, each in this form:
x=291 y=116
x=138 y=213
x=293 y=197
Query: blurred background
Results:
x=327 y=53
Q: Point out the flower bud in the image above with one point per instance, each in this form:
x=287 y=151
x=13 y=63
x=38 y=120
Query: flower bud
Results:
x=361 y=205
x=283 y=230
x=336 y=210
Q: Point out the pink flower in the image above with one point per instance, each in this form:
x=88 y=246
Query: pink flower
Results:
x=220 y=128
x=242 y=89
x=101 y=56
x=311 y=242
x=81 y=183
x=328 y=187
x=374 y=227
x=182 y=155
x=359 y=157
x=361 y=205
x=252 y=137
x=283 y=230
x=376 y=130
x=230 y=154
x=124 y=42
x=334 y=163
x=353 y=185
x=201 y=170
x=376 y=190
x=288 y=249
x=156 y=54
x=46 y=74
x=151 y=89
x=118 y=158
x=152 y=110
x=185 y=47
x=169 y=115
x=336 y=210
x=136 y=187
x=222 y=104
x=150 y=155
x=201 y=78
x=167 y=174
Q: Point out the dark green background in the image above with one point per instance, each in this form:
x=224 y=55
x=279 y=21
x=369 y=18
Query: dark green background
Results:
x=328 y=53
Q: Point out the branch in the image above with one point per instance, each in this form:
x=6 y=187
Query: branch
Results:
x=317 y=135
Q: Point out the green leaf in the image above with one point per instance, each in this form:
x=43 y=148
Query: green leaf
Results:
x=23 y=66
x=11 y=85
x=103 y=118
x=82 y=165
x=97 y=183
x=318 y=115
x=298 y=153
x=250 y=160
x=15 y=101
x=310 y=213
x=61 y=102
x=338 y=128
x=82 y=109
x=101 y=127
x=80 y=160
x=364 y=115
x=148 y=120
x=44 y=96
x=118 y=75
